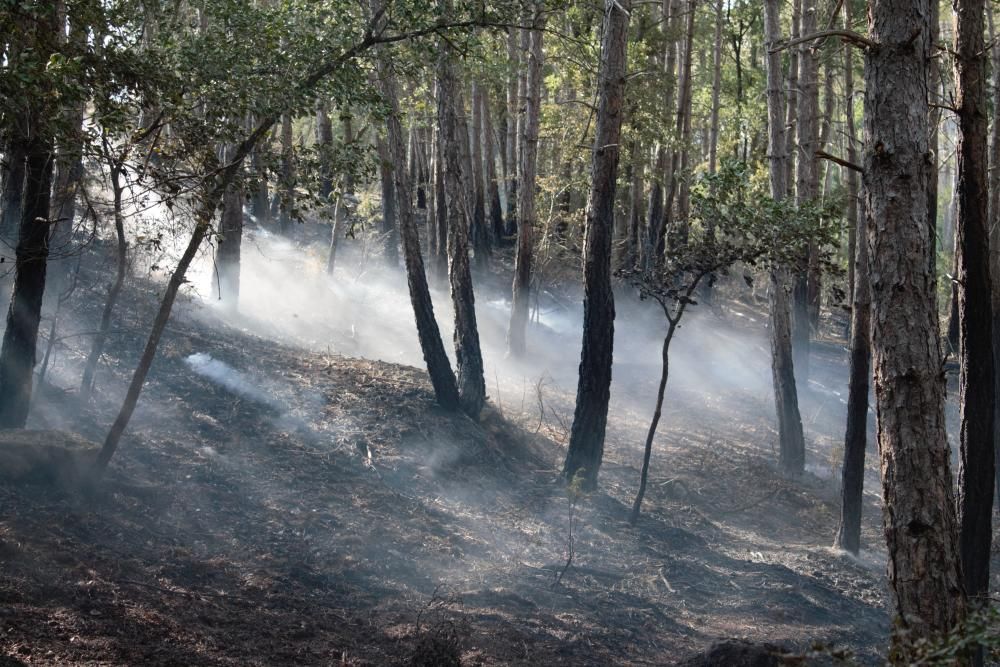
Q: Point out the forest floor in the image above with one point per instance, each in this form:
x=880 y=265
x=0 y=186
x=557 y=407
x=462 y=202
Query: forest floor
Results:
x=278 y=504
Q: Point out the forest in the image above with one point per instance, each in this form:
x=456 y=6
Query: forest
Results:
x=499 y=332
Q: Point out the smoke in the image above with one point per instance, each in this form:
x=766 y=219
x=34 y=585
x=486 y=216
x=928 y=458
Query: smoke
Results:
x=225 y=375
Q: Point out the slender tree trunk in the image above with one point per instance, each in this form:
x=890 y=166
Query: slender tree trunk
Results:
x=975 y=497
x=713 y=139
x=389 y=227
x=663 y=171
x=495 y=225
x=806 y=295
x=121 y=268
x=458 y=201
x=792 y=92
x=440 y=264
x=481 y=235
x=513 y=114
x=633 y=241
x=324 y=142
x=586 y=444
x=287 y=189
x=786 y=402
x=340 y=210
x=230 y=242
x=527 y=218
x=856 y=436
x=934 y=118
x=260 y=209
x=920 y=521
x=679 y=184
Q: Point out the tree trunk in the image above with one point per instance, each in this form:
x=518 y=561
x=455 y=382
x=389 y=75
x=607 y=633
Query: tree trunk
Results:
x=324 y=144
x=287 y=190
x=438 y=365
x=786 y=402
x=920 y=521
x=527 y=218
x=458 y=195
x=792 y=93
x=121 y=267
x=856 y=436
x=481 y=235
x=13 y=191
x=663 y=171
x=586 y=444
x=389 y=228
x=230 y=242
x=934 y=118
x=495 y=224
x=679 y=184
x=713 y=138
x=994 y=211
x=975 y=489
x=513 y=114
x=633 y=241
x=17 y=356
x=806 y=190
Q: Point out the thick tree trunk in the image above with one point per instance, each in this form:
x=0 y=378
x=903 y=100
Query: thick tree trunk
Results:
x=920 y=522
x=786 y=402
x=17 y=356
x=460 y=207
x=527 y=218
x=856 y=436
x=586 y=444
x=975 y=489
x=934 y=118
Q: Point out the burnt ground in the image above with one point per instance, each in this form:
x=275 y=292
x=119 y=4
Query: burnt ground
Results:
x=335 y=516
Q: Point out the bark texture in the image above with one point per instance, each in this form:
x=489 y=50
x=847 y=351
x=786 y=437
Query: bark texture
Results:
x=460 y=207
x=586 y=445
x=919 y=511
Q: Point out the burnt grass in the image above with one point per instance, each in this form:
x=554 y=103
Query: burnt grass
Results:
x=340 y=518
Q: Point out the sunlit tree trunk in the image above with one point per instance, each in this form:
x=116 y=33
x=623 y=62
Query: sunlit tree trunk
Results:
x=586 y=444
x=786 y=403
x=663 y=171
x=920 y=521
x=527 y=218
x=679 y=183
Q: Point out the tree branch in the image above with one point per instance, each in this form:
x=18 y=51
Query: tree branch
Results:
x=838 y=160
x=845 y=35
